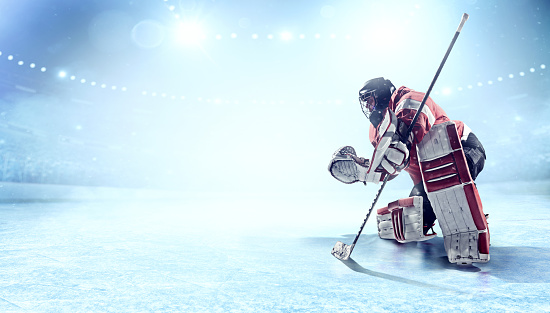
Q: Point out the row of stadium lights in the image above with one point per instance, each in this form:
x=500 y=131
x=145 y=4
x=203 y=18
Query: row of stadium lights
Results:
x=447 y=91
x=63 y=74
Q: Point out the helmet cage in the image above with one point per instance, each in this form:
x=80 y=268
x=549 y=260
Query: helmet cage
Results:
x=367 y=100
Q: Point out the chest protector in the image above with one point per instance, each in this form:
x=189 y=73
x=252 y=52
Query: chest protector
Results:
x=453 y=195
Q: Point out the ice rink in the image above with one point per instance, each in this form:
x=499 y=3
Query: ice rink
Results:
x=263 y=253
x=171 y=155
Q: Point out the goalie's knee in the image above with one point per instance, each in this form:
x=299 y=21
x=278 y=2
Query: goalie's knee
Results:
x=402 y=220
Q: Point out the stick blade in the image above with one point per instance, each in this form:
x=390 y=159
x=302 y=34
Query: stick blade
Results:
x=341 y=251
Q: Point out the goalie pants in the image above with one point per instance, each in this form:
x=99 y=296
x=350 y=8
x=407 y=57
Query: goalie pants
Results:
x=475 y=156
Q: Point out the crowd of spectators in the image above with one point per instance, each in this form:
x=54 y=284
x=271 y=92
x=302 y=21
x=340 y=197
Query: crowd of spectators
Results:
x=26 y=157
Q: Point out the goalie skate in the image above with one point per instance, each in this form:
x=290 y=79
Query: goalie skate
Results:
x=453 y=195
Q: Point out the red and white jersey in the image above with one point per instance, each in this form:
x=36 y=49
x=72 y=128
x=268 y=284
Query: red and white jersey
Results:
x=404 y=103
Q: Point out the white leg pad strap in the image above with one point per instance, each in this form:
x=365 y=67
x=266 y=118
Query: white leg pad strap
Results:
x=402 y=220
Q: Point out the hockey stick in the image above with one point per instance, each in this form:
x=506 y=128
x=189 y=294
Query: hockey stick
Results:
x=343 y=251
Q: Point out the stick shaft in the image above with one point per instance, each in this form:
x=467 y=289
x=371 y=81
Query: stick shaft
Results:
x=459 y=29
x=370 y=210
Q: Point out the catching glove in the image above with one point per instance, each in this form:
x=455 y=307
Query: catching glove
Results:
x=347 y=167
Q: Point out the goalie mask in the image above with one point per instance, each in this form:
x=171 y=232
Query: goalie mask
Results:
x=375 y=97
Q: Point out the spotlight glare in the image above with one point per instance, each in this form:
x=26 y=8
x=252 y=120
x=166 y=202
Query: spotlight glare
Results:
x=254 y=36
x=32 y=65
x=269 y=36
x=43 y=69
x=531 y=70
x=542 y=66
x=446 y=91
x=511 y=76
x=302 y=36
x=521 y=74
x=62 y=74
x=233 y=35
x=190 y=33
x=73 y=77
x=20 y=62
x=10 y=57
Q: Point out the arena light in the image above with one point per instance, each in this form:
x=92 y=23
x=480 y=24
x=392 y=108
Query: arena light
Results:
x=62 y=74
x=189 y=33
x=286 y=36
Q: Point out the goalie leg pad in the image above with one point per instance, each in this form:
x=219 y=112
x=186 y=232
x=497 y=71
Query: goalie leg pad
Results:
x=402 y=220
x=453 y=195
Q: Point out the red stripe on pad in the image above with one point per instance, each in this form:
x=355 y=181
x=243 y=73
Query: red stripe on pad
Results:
x=383 y=211
x=454 y=140
x=397 y=222
x=428 y=165
x=444 y=171
x=462 y=166
x=483 y=243
x=406 y=202
x=442 y=184
x=475 y=206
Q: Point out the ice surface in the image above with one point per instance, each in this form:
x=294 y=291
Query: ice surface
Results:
x=262 y=254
